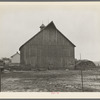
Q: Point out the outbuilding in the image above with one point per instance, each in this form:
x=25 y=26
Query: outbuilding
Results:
x=15 y=59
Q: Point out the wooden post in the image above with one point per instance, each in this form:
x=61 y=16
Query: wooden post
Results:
x=81 y=75
x=0 y=79
x=82 y=80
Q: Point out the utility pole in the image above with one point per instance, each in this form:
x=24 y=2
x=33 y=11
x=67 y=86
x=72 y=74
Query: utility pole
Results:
x=80 y=56
x=42 y=21
x=48 y=20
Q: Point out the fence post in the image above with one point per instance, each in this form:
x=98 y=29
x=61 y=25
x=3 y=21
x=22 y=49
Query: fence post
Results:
x=0 y=79
x=82 y=80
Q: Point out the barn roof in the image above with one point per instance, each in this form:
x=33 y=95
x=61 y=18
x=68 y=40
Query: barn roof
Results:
x=51 y=23
x=15 y=54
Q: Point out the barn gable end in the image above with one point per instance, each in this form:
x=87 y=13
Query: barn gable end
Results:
x=48 y=49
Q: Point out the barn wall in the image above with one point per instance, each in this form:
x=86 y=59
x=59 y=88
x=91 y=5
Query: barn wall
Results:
x=15 y=58
x=49 y=50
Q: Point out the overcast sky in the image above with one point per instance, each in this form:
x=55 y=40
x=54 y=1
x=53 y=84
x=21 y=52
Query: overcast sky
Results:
x=79 y=22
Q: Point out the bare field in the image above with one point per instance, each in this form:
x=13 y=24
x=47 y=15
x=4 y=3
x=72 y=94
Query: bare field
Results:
x=51 y=81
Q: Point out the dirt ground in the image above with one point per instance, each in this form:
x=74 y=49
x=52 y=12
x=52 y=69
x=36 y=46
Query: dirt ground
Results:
x=51 y=81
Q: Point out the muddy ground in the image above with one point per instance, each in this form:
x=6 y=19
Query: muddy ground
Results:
x=51 y=81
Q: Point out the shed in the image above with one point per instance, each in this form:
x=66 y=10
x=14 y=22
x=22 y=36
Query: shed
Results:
x=15 y=58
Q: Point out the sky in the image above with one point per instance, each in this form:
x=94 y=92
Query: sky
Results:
x=78 y=21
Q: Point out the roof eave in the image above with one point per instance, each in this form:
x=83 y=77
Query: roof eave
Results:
x=66 y=38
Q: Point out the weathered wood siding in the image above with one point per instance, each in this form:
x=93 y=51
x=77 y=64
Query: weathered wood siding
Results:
x=49 y=49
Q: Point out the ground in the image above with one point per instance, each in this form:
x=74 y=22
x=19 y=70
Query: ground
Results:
x=51 y=81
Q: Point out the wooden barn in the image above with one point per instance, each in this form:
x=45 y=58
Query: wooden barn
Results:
x=48 y=49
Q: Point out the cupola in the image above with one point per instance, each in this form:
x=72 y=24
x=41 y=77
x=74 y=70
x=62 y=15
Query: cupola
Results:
x=42 y=27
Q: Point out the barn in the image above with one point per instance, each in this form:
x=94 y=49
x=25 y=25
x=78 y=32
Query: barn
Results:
x=48 y=49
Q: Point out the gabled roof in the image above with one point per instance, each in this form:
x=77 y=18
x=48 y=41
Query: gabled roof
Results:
x=51 y=23
x=15 y=54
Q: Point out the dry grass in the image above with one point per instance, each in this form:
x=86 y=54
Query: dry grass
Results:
x=50 y=81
